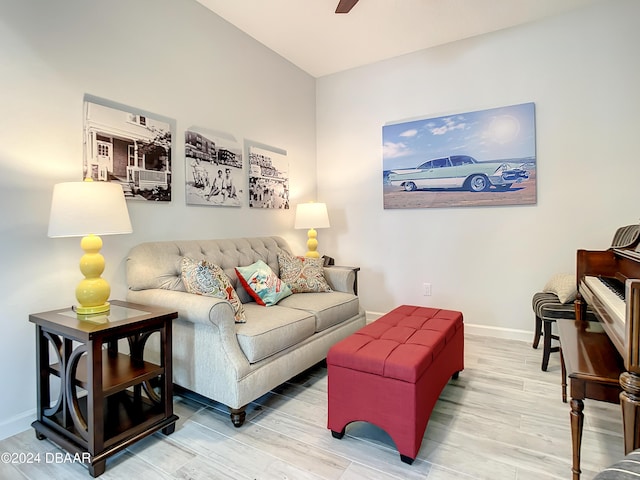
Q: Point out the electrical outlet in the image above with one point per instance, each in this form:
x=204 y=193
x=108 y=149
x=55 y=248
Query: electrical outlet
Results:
x=426 y=289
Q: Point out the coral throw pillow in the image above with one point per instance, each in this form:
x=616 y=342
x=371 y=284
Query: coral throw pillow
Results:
x=204 y=278
x=303 y=274
x=262 y=284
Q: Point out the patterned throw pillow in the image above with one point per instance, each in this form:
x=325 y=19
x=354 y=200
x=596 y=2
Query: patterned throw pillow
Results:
x=262 y=284
x=563 y=285
x=204 y=278
x=302 y=274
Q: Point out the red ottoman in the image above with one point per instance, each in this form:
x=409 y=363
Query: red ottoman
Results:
x=391 y=372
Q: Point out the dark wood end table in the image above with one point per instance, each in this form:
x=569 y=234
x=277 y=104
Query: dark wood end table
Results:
x=107 y=399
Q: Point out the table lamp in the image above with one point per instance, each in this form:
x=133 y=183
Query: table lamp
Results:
x=311 y=215
x=88 y=209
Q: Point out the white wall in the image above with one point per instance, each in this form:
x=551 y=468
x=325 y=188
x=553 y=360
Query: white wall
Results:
x=171 y=57
x=175 y=58
x=583 y=73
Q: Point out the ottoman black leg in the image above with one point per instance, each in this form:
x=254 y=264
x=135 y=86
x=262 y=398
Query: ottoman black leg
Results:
x=407 y=460
x=337 y=435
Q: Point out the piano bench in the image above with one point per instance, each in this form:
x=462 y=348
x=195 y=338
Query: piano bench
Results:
x=548 y=308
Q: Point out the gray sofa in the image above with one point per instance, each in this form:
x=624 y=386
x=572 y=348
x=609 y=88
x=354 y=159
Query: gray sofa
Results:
x=236 y=363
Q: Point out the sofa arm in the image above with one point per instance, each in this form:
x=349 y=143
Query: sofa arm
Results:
x=191 y=307
x=213 y=318
x=342 y=279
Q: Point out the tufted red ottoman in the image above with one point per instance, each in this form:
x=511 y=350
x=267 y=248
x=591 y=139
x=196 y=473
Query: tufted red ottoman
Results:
x=391 y=372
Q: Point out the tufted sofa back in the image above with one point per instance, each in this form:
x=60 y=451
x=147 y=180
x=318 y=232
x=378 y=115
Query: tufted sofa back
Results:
x=158 y=264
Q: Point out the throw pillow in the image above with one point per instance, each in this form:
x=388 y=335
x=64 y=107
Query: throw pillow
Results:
x=563 y=285
x=204 y=278
x=302 y=274
x=262 y=284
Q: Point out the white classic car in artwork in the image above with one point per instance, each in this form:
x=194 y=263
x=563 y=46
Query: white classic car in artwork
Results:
x=461 y=172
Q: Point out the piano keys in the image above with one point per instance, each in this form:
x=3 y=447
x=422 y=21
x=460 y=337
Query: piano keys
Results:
x=606 y=297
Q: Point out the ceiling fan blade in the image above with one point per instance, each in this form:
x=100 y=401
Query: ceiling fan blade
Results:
x=345 y=6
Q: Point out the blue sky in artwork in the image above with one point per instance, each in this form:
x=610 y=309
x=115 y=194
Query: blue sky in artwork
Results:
x=502 y=133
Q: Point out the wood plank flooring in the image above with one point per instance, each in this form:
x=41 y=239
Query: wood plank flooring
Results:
x=502 y=419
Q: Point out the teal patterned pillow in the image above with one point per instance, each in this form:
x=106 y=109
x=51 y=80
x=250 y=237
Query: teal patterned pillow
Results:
x=262 y=284
x=204 y=278
x=303 y=274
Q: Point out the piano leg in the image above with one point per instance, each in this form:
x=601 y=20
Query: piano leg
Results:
x=577 y=421
x=630 y=403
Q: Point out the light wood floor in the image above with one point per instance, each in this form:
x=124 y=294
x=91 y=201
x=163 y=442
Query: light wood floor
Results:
x=502 y=419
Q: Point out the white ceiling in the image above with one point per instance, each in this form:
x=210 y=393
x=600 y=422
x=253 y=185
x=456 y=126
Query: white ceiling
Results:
x=310 y=35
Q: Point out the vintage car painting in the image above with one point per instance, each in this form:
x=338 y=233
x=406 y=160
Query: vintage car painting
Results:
x=459 y=172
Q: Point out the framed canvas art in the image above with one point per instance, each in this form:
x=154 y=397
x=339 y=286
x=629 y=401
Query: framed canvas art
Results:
x=129 y=146
x=268 y=177
x=214 y=168
x=486 y=157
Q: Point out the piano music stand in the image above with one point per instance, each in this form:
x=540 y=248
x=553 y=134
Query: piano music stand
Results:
x=594 y=367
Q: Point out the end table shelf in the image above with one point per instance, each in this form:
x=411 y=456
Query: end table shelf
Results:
x=107 y=399
x=118 y=372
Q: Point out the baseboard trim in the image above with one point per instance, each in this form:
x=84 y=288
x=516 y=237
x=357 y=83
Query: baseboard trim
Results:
x=17 y=424
x=499 y=332
x=475 y=329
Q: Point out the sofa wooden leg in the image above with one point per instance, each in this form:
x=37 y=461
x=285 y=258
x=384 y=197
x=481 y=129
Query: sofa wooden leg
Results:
x=238 y=415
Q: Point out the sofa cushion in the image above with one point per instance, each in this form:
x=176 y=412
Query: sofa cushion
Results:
x=203 y=278
x=271 y=330
x=302 y=274
x=262 y=284
x=328 y=308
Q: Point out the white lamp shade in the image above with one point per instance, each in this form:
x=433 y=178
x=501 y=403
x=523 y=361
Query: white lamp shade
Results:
x=311 y=215
x=83 y=208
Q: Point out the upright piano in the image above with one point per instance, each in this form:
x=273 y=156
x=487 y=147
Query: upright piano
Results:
x=609 y=281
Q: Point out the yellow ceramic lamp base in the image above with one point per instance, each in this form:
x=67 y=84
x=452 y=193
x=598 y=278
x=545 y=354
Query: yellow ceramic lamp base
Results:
x=93 y=291
x=312 y=244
